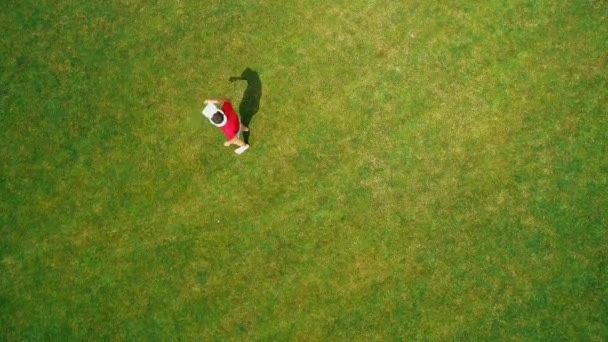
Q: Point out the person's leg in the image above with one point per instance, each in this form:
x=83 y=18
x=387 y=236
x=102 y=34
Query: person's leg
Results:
x=236 y=140
x=231 y=141
x=240 y=142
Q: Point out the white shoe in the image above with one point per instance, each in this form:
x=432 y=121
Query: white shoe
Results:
x=241 y=149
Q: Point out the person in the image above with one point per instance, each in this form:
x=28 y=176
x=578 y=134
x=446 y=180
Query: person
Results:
x=227 y=120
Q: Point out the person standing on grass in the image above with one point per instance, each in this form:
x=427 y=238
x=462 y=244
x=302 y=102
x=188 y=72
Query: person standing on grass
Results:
x=227 y=120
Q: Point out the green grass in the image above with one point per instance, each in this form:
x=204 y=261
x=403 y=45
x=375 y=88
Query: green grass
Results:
x=418 y=170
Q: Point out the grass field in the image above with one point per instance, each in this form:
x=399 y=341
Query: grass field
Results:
x=418 y=170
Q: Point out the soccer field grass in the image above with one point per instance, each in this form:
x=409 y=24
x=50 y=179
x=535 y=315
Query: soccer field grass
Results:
x=418 y=170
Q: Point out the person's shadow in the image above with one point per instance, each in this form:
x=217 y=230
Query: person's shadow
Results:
x=250 y=103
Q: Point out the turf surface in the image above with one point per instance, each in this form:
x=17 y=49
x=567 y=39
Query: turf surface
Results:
x=418 y=170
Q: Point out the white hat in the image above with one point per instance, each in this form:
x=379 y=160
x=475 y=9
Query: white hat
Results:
x=211 y=109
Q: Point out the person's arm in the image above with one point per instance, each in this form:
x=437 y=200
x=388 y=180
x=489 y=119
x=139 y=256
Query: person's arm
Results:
x=217 y=101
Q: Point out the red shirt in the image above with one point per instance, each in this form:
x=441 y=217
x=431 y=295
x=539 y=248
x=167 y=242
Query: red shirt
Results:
x=233 y=125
